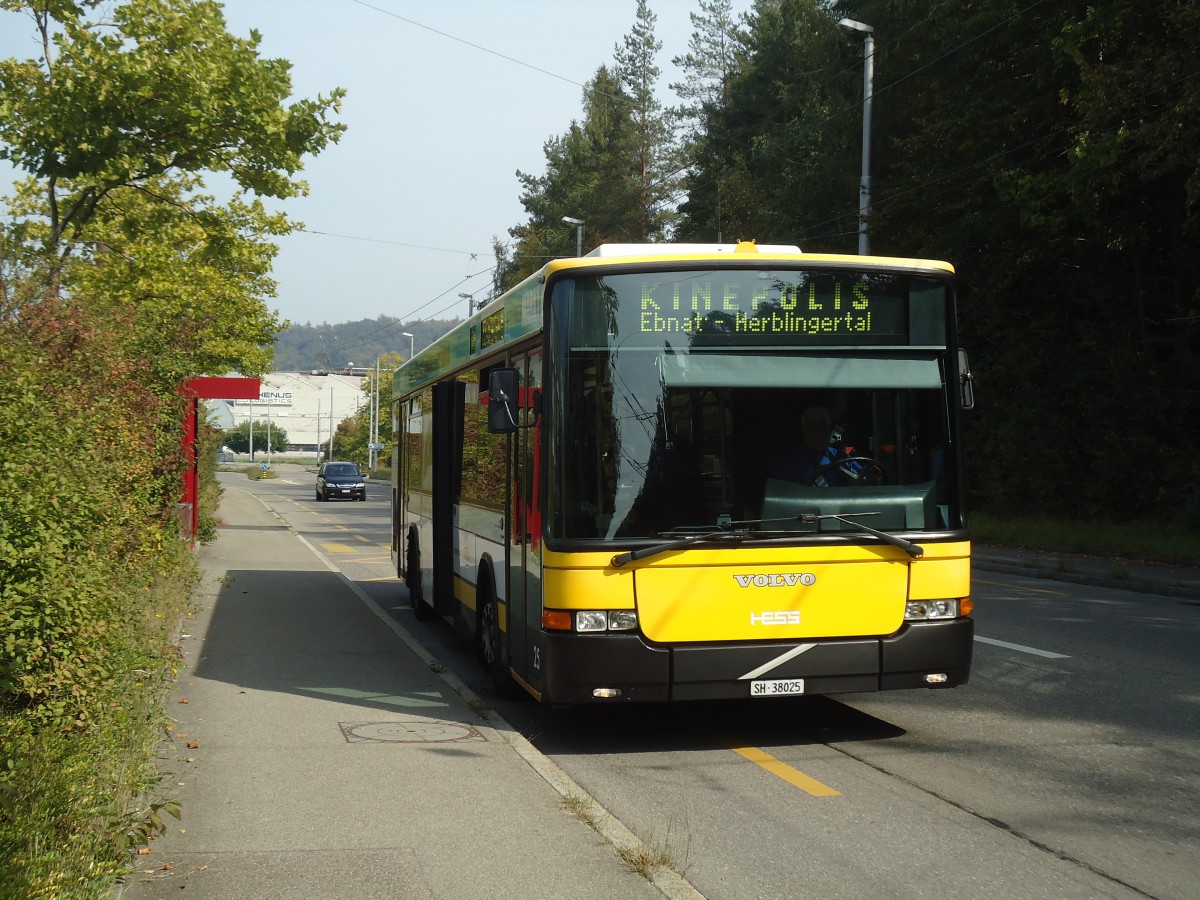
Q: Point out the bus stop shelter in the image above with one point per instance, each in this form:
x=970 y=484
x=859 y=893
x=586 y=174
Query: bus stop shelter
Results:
x=194 y=390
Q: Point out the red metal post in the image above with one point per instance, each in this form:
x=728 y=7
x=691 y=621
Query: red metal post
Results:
x=205 y=388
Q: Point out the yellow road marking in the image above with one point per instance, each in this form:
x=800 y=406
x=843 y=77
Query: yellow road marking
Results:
x=792 y=776
x=338 y=548
x=1019 y=587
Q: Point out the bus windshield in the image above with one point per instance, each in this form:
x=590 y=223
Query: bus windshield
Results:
x=690 y=400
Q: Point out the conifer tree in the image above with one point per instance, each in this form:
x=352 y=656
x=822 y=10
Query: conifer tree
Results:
x=654 y=159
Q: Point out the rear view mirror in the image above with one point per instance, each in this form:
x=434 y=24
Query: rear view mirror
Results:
x=502 y=401
x=966 y=381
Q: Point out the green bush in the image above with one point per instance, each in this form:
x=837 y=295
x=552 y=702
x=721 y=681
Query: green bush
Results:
x=120 y=279
x=210 y=491
x=93 y=580
x=74 y=800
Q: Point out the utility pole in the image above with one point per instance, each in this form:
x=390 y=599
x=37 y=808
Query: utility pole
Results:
x=864 y=186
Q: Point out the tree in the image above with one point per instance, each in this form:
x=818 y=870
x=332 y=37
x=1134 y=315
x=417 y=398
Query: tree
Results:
x=613 y=169
x=589 y=175
x=653 y=156
x=117 y=122
x=118 y=279
x=770 y=162
x=353 y=436
x=715 y=53
x=710 y=64
x=1050 y=154
x=190 y=275
x=267 y=437
x=160 y=89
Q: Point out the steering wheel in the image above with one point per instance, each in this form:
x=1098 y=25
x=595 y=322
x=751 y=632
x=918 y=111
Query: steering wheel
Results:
x=870 y=471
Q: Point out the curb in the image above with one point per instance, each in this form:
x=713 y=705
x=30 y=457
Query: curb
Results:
x=1133 y=584
x=670 y=883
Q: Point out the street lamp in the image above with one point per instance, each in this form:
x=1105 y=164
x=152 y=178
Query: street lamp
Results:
x=408 y=335
x=864 y=187
x=373 y=444
x=578 y=223
x=470 y=303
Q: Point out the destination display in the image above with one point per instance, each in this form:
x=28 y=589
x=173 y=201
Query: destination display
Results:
x=747 y=307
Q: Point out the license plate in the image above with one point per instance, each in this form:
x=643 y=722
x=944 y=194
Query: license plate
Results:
x=776 y=687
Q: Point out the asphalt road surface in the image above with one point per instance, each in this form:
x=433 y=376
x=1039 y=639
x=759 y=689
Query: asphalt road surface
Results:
x=1068 y=767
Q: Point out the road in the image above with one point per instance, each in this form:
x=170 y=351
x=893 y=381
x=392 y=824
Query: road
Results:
x=1068 y=767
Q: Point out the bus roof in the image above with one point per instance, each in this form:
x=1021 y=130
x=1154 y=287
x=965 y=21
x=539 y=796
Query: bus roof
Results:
x=634 y=254
x=607 y=250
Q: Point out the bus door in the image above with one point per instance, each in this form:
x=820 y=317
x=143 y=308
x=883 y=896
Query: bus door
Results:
x=447 y=455
x=525 y=529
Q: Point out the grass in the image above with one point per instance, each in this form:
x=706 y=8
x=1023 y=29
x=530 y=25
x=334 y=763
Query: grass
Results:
x=580 y=808
x=648 y=856
x=1141 y=541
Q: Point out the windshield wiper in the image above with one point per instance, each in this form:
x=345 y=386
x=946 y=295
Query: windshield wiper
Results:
x=740 y=534
x=631 y=555
x=916 y=551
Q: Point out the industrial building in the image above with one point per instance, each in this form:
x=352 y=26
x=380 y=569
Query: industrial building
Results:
x=309 y=406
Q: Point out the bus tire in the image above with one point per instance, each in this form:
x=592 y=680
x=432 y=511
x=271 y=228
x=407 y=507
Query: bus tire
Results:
x=490 y=654
x=422 y=611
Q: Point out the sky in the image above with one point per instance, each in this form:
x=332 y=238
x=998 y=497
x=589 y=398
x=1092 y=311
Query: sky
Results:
x=445 y=102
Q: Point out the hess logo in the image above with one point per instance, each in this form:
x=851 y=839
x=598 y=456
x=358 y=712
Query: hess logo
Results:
x=776 y=617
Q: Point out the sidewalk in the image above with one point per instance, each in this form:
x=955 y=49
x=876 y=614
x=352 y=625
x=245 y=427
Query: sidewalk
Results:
x=1132 y=575
x=317 y=755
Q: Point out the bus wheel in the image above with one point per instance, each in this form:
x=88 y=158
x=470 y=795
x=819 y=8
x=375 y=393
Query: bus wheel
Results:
x=422 y=611
x=489 y=650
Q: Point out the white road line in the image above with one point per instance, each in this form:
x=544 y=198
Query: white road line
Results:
x=1021 y=648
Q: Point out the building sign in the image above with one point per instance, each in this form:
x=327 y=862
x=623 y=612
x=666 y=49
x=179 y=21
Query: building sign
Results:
x=268 y=397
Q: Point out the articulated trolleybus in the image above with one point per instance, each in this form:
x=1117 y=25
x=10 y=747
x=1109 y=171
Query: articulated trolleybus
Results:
x=684 y=472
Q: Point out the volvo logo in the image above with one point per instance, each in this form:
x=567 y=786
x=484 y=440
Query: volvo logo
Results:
x=789 y=579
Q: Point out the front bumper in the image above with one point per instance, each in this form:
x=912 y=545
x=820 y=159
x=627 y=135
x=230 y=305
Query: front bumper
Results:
x=579 y=664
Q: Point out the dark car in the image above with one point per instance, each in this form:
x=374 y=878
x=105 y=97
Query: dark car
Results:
x=340 y=479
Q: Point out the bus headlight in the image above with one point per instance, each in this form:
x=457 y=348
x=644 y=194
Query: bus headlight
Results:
x=590 y=621
x=622 y=620
x=924 y=610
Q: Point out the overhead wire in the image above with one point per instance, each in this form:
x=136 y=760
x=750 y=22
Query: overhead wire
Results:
x=480 y=47
x=353 y=237
x=407 y=319
x=765 y=152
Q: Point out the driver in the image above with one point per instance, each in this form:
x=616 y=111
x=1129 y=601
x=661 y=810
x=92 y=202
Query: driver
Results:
x=803 y=464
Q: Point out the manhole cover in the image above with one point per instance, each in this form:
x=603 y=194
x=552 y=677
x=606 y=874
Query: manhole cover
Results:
x=425 y=731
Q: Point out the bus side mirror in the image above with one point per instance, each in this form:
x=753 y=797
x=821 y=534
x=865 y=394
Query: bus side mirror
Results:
x=502 y=401
x=966 y=381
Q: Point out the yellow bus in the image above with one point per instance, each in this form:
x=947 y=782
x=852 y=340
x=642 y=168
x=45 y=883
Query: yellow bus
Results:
x=681 y=472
